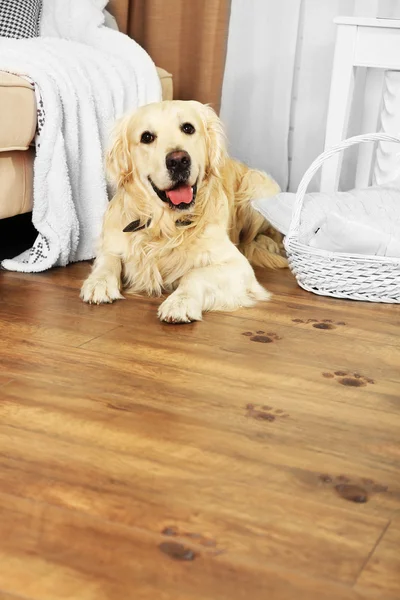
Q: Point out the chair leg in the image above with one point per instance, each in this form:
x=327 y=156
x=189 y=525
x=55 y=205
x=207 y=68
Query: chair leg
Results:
x=339 y=103
x=370 y=121
x=386 y=164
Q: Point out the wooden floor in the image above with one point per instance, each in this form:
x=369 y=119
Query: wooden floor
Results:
x=252 y=456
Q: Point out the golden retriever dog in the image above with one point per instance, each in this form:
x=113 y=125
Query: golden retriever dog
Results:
x=181 y=220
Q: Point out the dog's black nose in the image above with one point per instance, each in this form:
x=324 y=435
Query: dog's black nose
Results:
x=178 y=162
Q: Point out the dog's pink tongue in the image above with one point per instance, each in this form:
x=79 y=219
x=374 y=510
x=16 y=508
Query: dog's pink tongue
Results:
x=183 y=193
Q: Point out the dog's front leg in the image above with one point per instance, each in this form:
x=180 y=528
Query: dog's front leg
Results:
x=185 y=304
x=225 y=287
x=104 y=283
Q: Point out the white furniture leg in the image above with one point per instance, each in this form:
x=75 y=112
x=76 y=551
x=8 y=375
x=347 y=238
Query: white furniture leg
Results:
x=339 y=102
x=370 y=122
x=387 y=161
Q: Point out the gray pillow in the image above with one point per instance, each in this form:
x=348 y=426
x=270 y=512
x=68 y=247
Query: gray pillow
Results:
x=110 y=21
x=20 y=18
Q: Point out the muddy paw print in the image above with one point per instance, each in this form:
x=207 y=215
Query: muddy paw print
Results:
x=324 y=324
x=353 y=490
x=178 y=551
x=199 y=538
x=349 y=379
x=265 y=413
x=262 y=337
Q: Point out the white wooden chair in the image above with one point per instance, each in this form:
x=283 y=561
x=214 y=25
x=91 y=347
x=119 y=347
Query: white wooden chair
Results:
x=372 y=43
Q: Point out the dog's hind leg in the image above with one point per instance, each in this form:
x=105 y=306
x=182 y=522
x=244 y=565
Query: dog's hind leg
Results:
x=256 y=238
x=263 y=251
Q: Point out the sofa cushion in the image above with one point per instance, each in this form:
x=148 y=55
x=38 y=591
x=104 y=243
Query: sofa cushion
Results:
x=166 y=84
x=17 y=113
x=20 y=18
x=16 y=176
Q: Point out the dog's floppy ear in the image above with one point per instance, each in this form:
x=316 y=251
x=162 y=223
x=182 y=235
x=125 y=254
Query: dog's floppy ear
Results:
x=215 y=140
x=119 y=163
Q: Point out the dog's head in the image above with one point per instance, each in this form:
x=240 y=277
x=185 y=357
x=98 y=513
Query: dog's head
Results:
x=171 y=148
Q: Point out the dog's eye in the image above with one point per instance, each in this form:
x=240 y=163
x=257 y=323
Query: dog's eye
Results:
x=188 y=128
x=147 y=137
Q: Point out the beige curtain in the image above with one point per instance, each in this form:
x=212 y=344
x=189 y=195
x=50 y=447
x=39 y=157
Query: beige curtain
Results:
x=186 y=37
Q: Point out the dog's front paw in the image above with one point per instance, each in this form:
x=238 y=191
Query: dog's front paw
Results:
x=97 y=290
x=179 y=309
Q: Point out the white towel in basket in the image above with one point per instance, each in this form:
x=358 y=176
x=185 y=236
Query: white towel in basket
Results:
x=359 y=221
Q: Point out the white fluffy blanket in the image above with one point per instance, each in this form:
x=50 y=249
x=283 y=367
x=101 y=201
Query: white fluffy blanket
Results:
x=362 y=221
x=86 y=76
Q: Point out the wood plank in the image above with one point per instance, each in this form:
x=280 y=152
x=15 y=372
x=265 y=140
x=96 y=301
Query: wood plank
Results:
x=4 y=380
x=7 y=596
x=25 y=322
x=68 y=277
x=48 y=553
x=328 y=322
x=383 y=569
x=284 y=343
x=46 y=296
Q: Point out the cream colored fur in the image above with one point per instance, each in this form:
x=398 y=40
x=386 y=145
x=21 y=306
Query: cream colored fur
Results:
x=204 y=265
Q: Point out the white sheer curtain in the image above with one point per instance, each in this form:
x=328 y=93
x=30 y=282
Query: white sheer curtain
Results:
x=256 y=95
x=277 y=80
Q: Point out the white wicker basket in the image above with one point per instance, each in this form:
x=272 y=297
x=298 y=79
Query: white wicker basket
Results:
x=352 y=276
